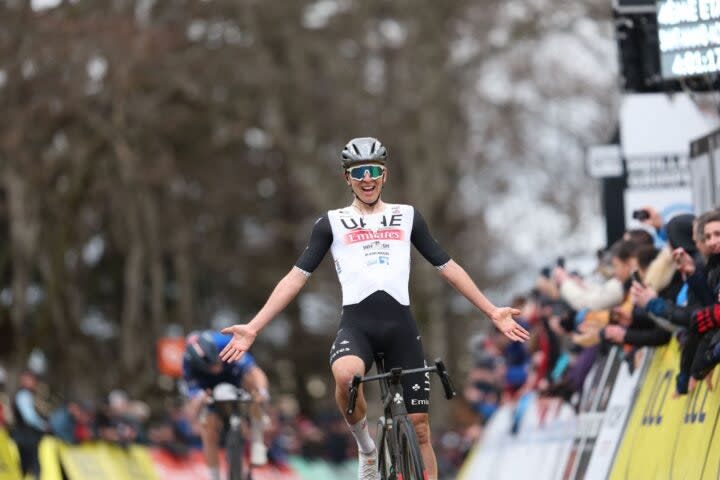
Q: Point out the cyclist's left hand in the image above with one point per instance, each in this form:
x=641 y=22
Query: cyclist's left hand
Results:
x=243 y=338
x=503 y=320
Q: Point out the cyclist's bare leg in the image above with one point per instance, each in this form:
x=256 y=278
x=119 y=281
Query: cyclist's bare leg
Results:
x=343 y=370
x=210 y=429
x=256 y=382
x=421 y=421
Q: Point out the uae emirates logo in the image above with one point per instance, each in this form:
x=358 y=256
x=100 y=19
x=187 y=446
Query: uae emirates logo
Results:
x=369 y=235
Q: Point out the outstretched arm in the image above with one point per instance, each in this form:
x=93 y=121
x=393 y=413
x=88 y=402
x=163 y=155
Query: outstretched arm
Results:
x=244 y=335
x=502 y=317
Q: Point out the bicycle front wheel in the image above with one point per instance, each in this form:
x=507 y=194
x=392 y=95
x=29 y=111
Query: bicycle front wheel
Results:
x=385 y=453
x=411 y=464
x=234 y=452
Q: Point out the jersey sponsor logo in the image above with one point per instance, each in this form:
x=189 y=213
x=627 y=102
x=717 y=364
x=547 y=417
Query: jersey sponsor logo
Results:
x=380 y=260
x=357 y=236
x=415 y=401
x=354 y=223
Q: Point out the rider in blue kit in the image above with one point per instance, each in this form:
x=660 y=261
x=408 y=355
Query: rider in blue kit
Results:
x=202 y=371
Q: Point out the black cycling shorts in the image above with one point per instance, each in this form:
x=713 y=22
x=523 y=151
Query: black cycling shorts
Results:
x=379 y=324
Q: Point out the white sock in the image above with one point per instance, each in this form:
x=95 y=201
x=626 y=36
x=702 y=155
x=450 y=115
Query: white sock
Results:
x=362 y=436
x=214 y=473
x=257 y=429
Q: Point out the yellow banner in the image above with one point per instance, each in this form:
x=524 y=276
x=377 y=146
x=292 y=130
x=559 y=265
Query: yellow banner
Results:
x=668 y=435
x=49 y=454
x=106 y=461
x=647 y=446
x=9 y=461
x=697 y=425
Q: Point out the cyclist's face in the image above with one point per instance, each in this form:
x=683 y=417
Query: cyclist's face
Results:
x=367 y=189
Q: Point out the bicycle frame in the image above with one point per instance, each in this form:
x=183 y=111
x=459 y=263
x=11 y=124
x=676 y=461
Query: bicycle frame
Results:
x=394 y=409
x=233 y=402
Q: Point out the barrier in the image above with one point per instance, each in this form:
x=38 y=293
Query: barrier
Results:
x=607 y=399
x=670 y=435
x=543 y=440
x=100 y=460
x=616 y=413
x=9 y=461
x=192 y=467
x=631 y=426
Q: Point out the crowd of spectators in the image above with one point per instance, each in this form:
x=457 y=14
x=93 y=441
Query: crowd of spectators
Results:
x=660 y=280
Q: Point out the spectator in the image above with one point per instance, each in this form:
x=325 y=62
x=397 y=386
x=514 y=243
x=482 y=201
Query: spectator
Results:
x=692 y=294
x=600 y=297
x=6 y=414
x=656 y=225
x=29 y=426
x=484 y=389
x=73 y=422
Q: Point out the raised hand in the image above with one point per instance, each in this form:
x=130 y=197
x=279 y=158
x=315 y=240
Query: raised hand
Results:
x=503 y=320
x=243 y=338
x=683 y=261
x=641 y=295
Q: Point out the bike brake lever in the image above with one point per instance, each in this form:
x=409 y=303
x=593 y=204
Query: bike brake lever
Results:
x=445 y=379
x=353 y=394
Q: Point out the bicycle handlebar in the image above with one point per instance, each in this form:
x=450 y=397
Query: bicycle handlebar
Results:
x=228 y=393
x=395 y=375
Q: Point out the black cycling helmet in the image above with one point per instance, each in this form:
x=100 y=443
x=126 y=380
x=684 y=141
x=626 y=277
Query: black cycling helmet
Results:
x=201 y=352
x=364 y=149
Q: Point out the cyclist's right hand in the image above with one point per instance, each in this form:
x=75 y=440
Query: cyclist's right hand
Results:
x=243 y=338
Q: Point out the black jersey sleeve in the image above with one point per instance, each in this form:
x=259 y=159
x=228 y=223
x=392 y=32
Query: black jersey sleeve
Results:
x=320 y=240
x=425 y=243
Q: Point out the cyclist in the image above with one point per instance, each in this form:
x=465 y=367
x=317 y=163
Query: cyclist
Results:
x=370 y=242
x=202 y=371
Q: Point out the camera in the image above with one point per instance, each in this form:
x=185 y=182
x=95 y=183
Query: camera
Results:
x=640 y=215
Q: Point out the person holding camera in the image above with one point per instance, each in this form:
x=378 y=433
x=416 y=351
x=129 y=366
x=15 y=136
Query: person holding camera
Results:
x=651 y=218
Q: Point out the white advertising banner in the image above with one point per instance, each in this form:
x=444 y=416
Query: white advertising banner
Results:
x=616 y=414
x=537 y=450
x=658 y=124
x=655 y=135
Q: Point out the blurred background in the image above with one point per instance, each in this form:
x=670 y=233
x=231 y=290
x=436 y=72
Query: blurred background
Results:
x=162 y=163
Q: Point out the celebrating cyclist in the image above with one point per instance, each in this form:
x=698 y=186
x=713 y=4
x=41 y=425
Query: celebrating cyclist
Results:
x=202 y=371
x=370 y=243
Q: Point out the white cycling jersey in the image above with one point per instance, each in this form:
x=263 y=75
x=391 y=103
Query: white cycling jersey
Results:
x=372 y=252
